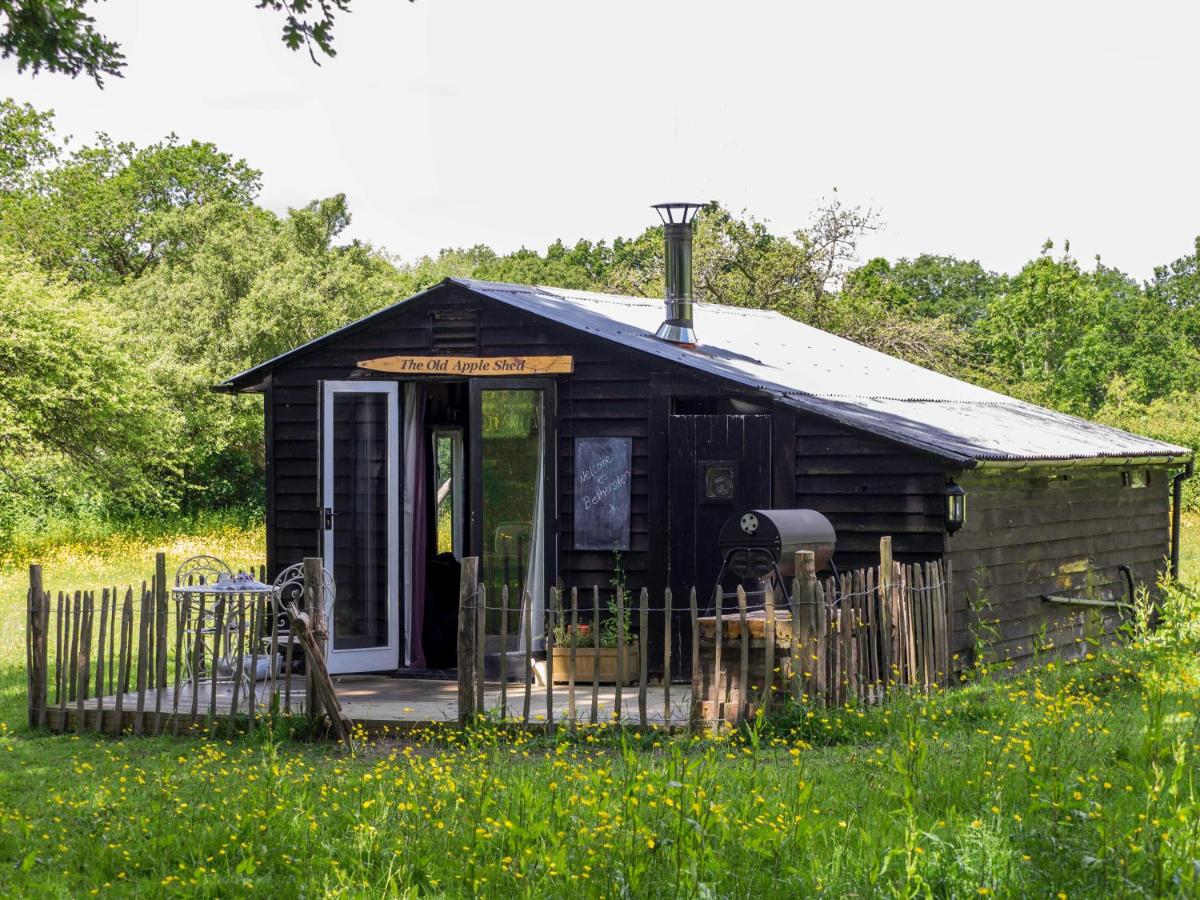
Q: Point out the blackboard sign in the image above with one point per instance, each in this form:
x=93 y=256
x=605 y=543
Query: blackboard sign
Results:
x=602 y=487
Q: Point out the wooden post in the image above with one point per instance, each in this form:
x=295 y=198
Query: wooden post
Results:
x=467 y=583
x=857 y=620
x=643 y=652
x=933 y=593
x=123 y=659
x=555 y=605
x=801 y=636
x=42 y=648
x=618 y=710
x=31 y=599
x=718 y=706
x=846 y=634
x=179 y=651
x=219 y=611
x=239 y=663
x=504 y=652
x=274 y=608
x=927 y=609
x=35 y=623
x=145 y=630
x=836 y=621
x=667 y=658
x=82 y=661
x=58 y=651
x=694 y=711
x=808 y=635
x=911 y=599
x=73 y=655
x=948 y=614
x=573 y=638
x=161 y=617
x=100 y=688
x=112 y=632
x=885 y=603
x=769 y=649
x=314 y=576
x=197 y=653
x=288 y=658
x=595 y=654
x=910 y=612
x=480 y=648
x=824 y=626
x=743 y=705
x=257 y=602
x=871 y=635
x=304 y=629
x=931 y=621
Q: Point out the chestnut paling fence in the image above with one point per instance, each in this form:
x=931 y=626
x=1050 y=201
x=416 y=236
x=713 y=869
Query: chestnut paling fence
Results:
x=848 y=638
x=149 y=660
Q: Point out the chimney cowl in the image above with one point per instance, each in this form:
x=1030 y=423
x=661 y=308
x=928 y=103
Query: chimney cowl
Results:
x=677 y=247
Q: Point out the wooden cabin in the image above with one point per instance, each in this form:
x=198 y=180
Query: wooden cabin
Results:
x=551 y=433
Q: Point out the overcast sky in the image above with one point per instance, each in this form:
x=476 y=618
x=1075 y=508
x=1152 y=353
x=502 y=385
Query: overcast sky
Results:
x=978 y=130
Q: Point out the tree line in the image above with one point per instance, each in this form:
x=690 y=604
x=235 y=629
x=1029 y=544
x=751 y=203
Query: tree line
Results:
x=133 y=278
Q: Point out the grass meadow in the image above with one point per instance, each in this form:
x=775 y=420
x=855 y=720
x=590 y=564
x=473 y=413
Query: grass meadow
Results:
x=1069 y=780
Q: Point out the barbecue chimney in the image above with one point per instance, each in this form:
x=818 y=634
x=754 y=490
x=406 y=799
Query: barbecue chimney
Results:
x=677 y=245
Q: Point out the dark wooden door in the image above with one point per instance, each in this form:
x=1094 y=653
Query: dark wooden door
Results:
x=717 y=465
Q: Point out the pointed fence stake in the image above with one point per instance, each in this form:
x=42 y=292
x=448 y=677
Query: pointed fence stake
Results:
x=667 y=613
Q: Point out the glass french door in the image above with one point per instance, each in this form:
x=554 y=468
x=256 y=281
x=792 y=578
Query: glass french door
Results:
x=360 y=456
x=513 y=496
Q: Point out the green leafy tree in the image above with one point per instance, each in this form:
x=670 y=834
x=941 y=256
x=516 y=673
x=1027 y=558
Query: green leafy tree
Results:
x=928 y=286
x=27 y=146
x=82 y=425
x=1177 y=287
x=58 y=36
x=61 y=35
x=250 y=286
x=107 y=212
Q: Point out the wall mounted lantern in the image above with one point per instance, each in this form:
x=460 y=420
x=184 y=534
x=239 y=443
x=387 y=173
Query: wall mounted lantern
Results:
x=956 y=507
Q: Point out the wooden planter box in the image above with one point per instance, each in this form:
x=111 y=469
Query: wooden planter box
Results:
x=588 y=660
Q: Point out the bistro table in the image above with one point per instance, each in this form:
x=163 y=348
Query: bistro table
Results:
x=214 y=623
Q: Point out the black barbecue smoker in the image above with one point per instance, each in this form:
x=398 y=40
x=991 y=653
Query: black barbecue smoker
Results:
x=761 y=543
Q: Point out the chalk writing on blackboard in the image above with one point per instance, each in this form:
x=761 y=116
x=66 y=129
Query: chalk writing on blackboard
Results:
x=603 y=478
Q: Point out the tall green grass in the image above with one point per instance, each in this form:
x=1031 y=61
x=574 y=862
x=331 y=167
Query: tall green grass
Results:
x=92 y=560
x=1069 y=779
x=1076 y=780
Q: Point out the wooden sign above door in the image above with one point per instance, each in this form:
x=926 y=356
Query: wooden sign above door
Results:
x=471 y=366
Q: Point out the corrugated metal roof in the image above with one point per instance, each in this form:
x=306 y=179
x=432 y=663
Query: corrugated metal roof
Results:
x=835 y=377
x=827 y=375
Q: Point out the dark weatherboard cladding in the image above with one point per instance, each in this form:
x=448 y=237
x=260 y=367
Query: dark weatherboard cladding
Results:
x=640 y=448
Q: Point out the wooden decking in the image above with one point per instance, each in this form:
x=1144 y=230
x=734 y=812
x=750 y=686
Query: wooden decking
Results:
x=375 y=702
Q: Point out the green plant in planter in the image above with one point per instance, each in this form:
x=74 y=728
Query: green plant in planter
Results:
x=608 y=628
x=582 y=635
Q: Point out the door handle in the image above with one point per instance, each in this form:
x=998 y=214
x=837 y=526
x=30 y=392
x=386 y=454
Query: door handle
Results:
x=328 y=514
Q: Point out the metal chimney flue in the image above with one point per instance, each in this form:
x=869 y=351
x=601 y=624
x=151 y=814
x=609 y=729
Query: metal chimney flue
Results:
x=677 y=218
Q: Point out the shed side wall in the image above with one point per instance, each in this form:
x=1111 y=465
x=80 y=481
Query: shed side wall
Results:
x=1051 y=531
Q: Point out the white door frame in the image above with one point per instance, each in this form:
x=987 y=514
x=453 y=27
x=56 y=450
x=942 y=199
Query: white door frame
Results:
x=375 y=658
